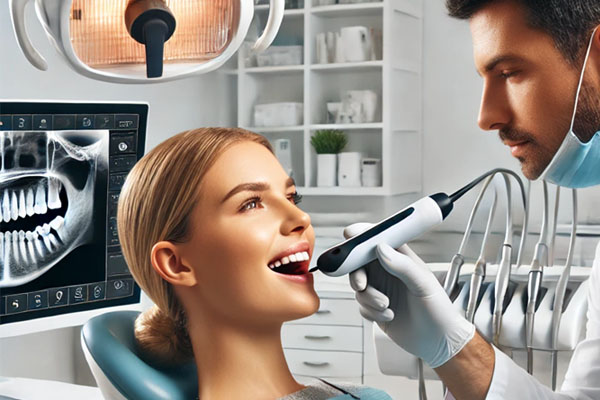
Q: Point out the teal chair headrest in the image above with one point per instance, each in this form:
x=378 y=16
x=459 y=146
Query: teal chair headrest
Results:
x=111 y=342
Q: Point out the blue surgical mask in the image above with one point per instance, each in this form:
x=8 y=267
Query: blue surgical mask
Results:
x=576 y=164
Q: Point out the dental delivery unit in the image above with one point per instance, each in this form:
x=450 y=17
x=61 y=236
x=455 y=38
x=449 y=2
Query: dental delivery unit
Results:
x=396 y=230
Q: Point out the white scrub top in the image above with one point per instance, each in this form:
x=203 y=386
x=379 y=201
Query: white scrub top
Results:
x=582 y=381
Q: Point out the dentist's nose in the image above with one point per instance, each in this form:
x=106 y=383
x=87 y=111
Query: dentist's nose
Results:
x=494 y=111
x=295 y=221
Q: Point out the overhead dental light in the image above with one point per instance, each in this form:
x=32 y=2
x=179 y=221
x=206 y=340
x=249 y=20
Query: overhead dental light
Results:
x=141 y=41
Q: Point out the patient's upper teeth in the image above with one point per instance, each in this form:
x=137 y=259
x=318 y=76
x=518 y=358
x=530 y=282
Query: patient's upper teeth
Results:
x=29 y=202
x=285 y=260
x=14 y=206
x=40 y=200
x=22 y=208
x=271 y=266
x=6 y=206
x=306 y=256
x=53 y=193
x=293 y=258
x=277 y=263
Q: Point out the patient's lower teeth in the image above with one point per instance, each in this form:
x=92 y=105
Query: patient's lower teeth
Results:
x=57 y=223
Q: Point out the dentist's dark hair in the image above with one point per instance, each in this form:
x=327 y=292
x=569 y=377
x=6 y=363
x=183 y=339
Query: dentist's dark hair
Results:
x=569 y=22
x=155 y=205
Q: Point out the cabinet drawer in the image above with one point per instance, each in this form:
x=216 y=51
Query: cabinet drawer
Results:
x=324 y=364
x=322 y=337
x=334 y=312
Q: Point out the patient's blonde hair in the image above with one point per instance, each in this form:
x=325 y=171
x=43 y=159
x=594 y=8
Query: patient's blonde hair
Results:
x=155 y=205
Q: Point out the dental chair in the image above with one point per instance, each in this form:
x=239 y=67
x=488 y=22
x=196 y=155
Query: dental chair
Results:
x=109 y=346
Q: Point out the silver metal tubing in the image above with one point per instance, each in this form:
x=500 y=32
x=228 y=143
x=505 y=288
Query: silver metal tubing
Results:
x=421 y=376
x=534 y=283
x=480 y=266
x=561 y=289
x=554 y=223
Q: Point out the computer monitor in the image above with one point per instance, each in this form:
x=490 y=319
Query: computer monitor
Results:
x=63 y=165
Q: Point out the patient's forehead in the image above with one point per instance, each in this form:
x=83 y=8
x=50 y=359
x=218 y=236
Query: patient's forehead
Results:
x=244 y=162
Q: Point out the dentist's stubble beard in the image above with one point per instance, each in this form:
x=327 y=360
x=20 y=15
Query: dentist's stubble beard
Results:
x=587 y=123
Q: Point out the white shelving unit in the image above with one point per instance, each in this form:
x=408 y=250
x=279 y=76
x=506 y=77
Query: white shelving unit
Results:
x=395 y=139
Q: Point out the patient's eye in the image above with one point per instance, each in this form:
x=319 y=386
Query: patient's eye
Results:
x=251 y=204
x=295 y=198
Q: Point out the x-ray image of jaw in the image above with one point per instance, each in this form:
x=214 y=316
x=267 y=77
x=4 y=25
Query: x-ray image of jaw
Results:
x=47 y=184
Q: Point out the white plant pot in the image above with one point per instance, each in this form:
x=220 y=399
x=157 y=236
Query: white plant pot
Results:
x=326 y=169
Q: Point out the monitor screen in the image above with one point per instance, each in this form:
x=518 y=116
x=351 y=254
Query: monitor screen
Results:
x=62 y=169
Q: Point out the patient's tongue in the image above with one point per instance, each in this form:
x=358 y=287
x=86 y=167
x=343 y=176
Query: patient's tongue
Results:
x=292 y=268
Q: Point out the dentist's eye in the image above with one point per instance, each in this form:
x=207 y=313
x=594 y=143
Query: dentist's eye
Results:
x=508 y=74
x=296 y=198
x=251 y=204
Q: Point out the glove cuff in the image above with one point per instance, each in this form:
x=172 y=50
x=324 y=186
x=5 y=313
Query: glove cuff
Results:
x=456 y=339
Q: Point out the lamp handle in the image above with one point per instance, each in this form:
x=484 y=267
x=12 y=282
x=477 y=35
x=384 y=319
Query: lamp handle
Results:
x=276 y=9
x=17 y=12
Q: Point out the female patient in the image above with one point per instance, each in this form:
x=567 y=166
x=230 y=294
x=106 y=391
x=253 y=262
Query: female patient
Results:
x=211 y=231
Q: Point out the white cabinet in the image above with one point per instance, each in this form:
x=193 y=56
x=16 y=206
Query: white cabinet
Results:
x=394 y=136
x=327 y=344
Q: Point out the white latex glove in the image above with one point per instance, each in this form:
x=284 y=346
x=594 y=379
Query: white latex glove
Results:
x=404 y=297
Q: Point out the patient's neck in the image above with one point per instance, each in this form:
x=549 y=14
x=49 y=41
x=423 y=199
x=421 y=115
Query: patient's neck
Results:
x=238 y=361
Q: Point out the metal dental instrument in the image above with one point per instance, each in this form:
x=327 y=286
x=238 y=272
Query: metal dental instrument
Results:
x=504 y=267
x=534 y=282
x=478 y=275
x=561 y=289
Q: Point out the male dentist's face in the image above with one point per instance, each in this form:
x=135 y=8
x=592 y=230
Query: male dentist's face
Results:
x=529 y=87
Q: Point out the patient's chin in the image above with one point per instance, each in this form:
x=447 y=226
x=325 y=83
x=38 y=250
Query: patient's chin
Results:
x=304 y=306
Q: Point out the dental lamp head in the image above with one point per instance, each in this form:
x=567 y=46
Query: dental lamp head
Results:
x=151 y=23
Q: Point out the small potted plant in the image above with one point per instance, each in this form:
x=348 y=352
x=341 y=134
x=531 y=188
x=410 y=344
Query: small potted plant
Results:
x=328 y=143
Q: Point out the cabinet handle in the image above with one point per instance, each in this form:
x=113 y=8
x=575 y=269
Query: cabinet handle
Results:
x=323 y=312
x=313 y=337
x=316 y=364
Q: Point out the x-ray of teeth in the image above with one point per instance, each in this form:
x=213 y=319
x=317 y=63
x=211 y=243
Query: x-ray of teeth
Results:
x=47 y=184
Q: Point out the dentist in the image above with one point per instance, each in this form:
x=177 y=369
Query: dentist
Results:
x=540 y=64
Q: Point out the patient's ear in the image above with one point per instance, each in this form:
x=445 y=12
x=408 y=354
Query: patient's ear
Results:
x=166 y=260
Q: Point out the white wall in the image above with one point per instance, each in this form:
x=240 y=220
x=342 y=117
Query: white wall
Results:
x=174 y=107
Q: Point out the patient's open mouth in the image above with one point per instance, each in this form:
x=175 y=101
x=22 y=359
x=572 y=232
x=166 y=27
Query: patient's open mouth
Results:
x=292 y=264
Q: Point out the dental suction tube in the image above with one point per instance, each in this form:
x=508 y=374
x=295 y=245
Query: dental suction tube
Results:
x=396 y=230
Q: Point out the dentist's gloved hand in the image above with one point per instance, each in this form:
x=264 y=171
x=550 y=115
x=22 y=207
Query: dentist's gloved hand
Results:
x=404 y=297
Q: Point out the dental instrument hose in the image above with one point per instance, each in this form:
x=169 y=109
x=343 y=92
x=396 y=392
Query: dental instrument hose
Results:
x=395 y=230
x=561 y=289
x=534 y=281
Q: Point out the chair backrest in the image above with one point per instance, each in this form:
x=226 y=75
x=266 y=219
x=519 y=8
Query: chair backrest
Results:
x=109 y=345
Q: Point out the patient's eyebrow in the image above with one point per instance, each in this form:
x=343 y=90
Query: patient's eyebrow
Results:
x=250 y=187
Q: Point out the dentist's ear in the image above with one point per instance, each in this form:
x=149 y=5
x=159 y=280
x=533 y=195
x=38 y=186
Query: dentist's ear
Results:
x=167 y=261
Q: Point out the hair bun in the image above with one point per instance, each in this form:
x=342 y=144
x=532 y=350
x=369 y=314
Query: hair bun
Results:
x=161 y=340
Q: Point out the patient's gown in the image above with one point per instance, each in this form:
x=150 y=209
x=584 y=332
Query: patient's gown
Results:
x=321 y=389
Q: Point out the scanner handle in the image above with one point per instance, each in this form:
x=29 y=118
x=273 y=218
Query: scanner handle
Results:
x=276 y=10
x=17 y=12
